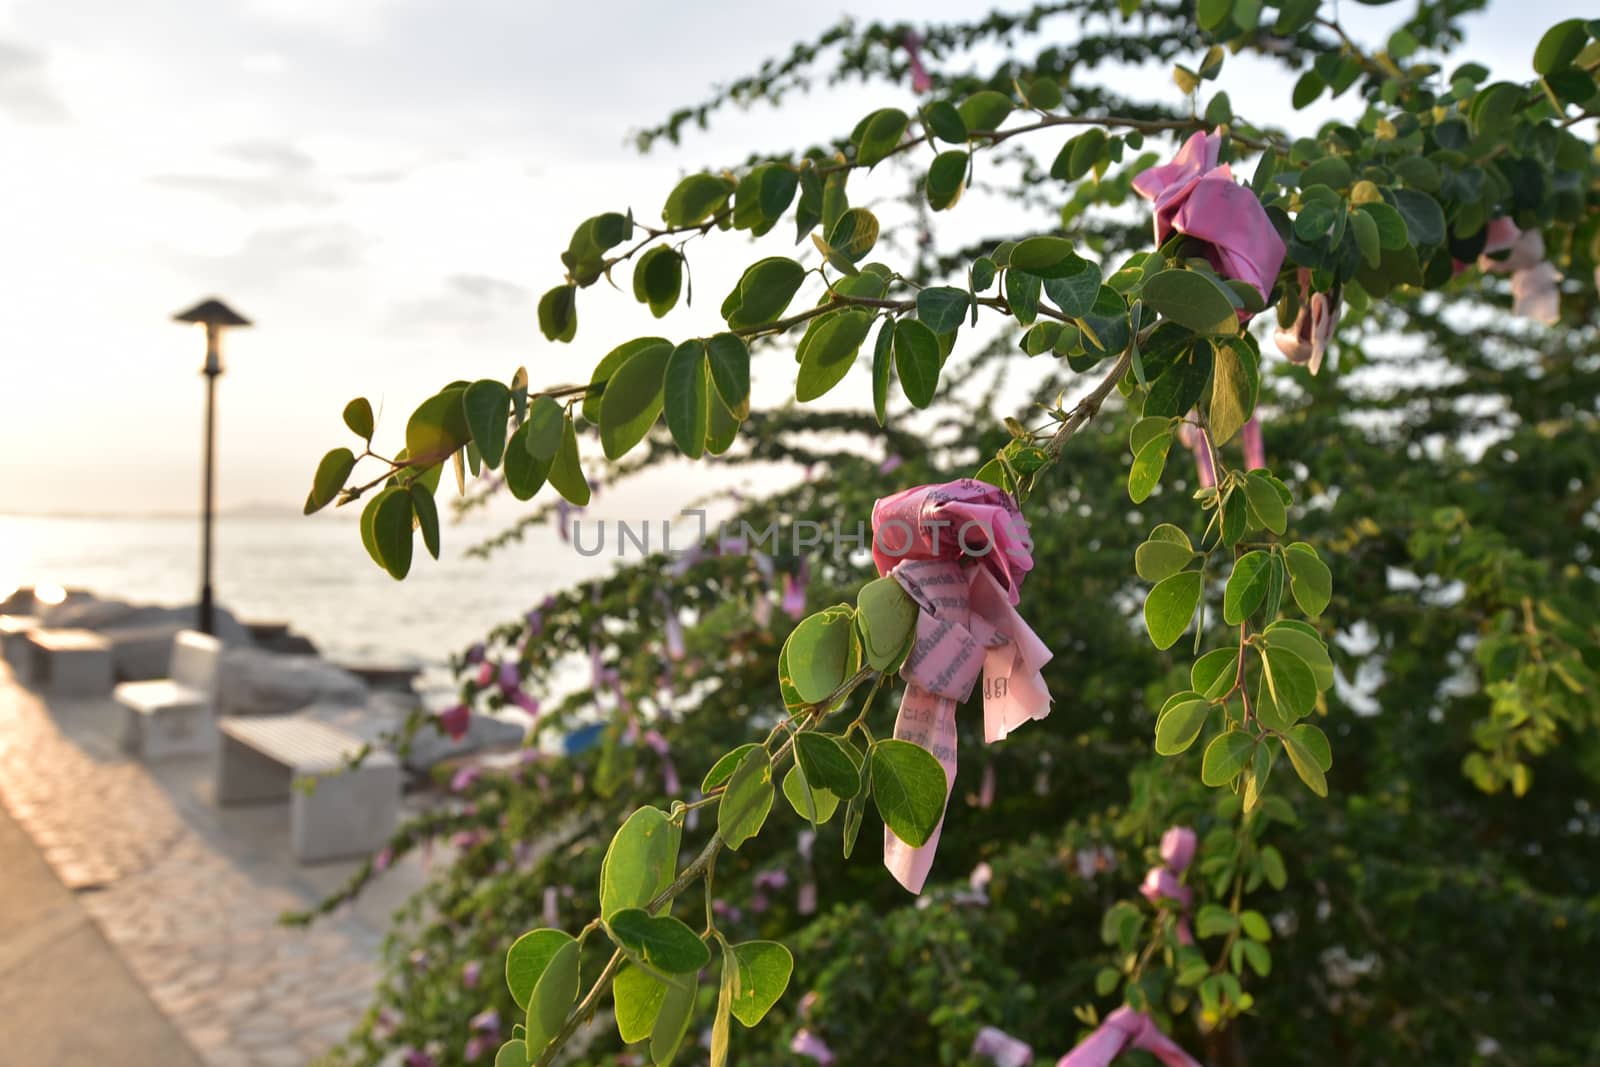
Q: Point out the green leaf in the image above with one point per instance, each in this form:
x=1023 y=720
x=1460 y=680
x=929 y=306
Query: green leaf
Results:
x=662 y=941
x=1290 y=681
x=811 y=802
x=545 y=417
x=637 y=996
x=985 y=110
x=1214 y=673
x=826 y=764
x=1305 y=759
x=828 y=351
x=658 y=279
x=1022 y=294
x=673 y=1021
x=1314 y=743
x=942 y=308
x=1559 y=46
x=1368 y=241
x=1145 y=474
x=947 y=179
x=1265 y=503
x=369 y=540
x=633 y=399
x=763 y=293
x=696 y=199
x=1212 y=13
x=729 y=360
x=854 y=235
x=437 y=428
x=1235 y=380
x=566 y=471
x=720 y=1024
x=916 y=361
x=1303 y=641
x=607 y=367
x=981 y=275
x=331 y=474
x=1422 y=215
x=764 y=970
x=908 y=788
x=1166 y=553
x=513 y=1053
x=879 y=135
x=1180 y=386
x=684 y=398
x=1180 y=722
x=820 y=653
x=1392 y=232
x=723 y=769
x=1310 y=580
x=358 y=416
x=524 y=473
x=486 y=405
x=1307 y=89
x=1247 y=585
x=1170 y=607
x=882 y=370
x=1076 y=291
x=558 y=313
x=944 y=122
x=747 y=799
x=426 y=511
x=1146 y=430
x=640 y=861
x=888 y=620
x=1193 y=299
x=1272 y=866
x=391 y=531
x=1226 y=757
x=527 y=960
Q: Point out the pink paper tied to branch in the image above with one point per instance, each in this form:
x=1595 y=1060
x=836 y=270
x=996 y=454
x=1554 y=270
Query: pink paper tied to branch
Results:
x=1535 y=284
x=1001 y=1049
x=1124 y=1029
x=921 y=80
x=1197 y=197
x=960 y=550
x=1178 y=846
x=1307 y=340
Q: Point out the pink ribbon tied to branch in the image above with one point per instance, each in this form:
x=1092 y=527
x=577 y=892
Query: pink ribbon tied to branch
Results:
x=1124 y=1029
x=960 y=550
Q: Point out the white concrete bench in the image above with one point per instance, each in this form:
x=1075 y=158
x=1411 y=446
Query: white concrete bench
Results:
x=335 y=810
x=13 y=642
x=69 y=663
x=172 y=716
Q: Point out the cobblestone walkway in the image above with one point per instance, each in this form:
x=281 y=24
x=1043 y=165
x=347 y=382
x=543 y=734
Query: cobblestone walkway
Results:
x=191 y=907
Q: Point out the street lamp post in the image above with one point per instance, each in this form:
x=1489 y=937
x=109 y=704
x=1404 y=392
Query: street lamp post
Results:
x=215 y=316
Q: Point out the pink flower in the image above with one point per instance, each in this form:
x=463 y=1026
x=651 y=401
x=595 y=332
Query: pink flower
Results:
x=476 y=1046
x=1161 y=884
x=1001 y=1049
x=453 y=721
x=1177 y=848
x=486 y=1021
x=773 y=879
x=463 y=779
x=1195 y=196
x=1307 y=341
x=806 y=1043
x=921 y=81
x=487 y=672
x=890 y=465
x=1255 y=449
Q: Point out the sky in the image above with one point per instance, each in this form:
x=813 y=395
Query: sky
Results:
x=384 y=187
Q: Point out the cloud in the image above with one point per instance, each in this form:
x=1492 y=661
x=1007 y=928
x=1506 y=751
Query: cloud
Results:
x=468 y=300
x=280 y=255
x=25 y=89
x=282 y=176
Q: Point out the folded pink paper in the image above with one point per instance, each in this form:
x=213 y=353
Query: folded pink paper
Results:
x=1124 y=1029
x=1195 y=196
x=960 y=550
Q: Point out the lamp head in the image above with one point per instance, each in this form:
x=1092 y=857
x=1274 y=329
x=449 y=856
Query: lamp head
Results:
x=214 y=316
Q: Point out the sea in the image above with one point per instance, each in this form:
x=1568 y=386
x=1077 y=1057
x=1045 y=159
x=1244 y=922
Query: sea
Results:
x=311 y=573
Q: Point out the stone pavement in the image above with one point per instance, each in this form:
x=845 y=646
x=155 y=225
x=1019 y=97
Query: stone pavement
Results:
x=186 y=893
